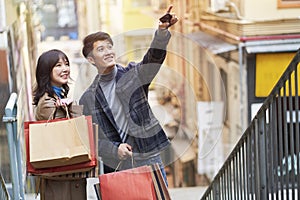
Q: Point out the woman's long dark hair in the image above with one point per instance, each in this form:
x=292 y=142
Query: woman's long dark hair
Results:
x=45 y=64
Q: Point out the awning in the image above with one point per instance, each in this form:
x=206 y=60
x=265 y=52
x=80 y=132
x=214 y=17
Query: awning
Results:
x=211 y=43
x=272 y=46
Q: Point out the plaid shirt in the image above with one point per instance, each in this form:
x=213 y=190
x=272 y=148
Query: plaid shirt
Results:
x=145 y=134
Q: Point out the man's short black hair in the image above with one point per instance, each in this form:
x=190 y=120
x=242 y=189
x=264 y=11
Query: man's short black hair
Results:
x=89 y=41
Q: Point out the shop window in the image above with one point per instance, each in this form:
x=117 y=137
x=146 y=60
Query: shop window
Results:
x=224 y=77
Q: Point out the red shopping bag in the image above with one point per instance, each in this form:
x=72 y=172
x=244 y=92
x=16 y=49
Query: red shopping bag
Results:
x=160 y=185
x=132 y=184
x=53 y=171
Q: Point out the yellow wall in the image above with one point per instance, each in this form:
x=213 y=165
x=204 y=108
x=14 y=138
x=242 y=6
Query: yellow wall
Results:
x=136 y=17
x=269 y=68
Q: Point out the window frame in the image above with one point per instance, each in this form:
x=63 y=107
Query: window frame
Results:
x=288 y=3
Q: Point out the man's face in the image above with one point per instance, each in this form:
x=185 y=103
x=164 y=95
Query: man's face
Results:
x=103 y=56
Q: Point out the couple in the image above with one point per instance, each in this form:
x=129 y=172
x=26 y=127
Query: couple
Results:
x=117 y=101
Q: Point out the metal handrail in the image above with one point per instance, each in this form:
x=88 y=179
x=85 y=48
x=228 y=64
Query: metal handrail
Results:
x=265 y=163
x=14 y=146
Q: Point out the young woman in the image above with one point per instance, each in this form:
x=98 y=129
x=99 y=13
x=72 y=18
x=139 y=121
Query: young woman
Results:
x=50 y=94
x=50 y=100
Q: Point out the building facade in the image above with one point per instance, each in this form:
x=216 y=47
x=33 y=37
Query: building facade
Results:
x=18 y=54
x=223 y=59
x=230 y=55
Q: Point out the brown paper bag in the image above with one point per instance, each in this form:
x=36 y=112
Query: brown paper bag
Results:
x=59 y=143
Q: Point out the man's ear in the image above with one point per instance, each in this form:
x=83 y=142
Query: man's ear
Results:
x=91 y=60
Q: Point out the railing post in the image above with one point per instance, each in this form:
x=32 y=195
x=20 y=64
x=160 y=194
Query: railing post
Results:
x=216 y=190
x=14 y=147
x=261 y=182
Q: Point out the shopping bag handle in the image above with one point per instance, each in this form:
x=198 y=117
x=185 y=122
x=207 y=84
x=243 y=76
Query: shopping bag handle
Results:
x=52 y=116
x=67 y=112
x=119 y=164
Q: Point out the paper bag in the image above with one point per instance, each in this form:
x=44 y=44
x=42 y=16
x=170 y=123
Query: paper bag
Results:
x=62 y=170
x=160 y=185
x=59 y=143
x=131 y=184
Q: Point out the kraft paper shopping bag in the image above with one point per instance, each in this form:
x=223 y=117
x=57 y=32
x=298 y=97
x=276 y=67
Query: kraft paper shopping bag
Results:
x=59 y=143
x=82 y=168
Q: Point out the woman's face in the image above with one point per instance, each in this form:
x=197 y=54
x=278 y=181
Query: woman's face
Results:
x=60 y=73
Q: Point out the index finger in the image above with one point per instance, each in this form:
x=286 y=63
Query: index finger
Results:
x=128 y=147
x=170 y=8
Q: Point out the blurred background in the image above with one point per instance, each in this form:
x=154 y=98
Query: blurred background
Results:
x=223 y=60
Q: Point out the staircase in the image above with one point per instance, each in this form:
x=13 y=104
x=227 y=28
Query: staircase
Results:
x=265 y=163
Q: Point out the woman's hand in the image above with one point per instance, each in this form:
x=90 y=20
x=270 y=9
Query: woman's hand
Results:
x=63 y=102
x=124 y=151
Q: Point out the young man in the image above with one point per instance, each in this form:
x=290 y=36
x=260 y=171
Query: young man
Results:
x=129 y=134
